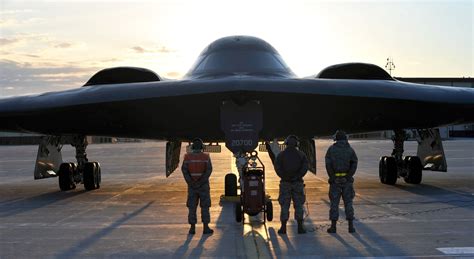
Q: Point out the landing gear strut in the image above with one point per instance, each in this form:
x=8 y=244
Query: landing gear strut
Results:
x=85 y=172
x=394 y=166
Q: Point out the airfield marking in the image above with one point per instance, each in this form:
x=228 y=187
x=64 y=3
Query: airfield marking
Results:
x=457 y=250
x=254 y=232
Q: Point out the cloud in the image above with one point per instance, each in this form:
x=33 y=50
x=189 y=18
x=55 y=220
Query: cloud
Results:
x=20 y=78
x=162 y=49
x=15 y=11
x=6 y=41
x=63 y=45
x=31 y=55
x=139 y=49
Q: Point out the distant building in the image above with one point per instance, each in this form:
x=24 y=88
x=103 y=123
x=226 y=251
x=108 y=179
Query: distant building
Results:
x=450 y=131
x=14 y=138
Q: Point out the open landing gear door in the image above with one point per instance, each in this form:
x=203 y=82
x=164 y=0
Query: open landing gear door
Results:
x=308 y=147
x=241 y=125
x=430 y=150
x=273 y=148
x=49 y=158
x=173 y=150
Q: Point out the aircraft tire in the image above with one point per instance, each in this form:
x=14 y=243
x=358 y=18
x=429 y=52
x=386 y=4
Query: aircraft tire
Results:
x=230 y=185
x=98 y=175
x=388 y=170
x=90 y=176
x=269 y=210
x=238 y=212
x=65 y=177
x=382 y=169
x=415 y=170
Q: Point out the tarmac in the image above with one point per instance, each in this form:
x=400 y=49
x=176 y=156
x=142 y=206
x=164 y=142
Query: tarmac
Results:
x=139 y=213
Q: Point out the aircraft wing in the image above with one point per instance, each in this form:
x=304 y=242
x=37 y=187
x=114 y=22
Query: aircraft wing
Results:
x=187 y=108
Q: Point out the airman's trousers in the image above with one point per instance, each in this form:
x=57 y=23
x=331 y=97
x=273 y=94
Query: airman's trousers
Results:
x=291 y=191
x=201 y=196
x=346 y=190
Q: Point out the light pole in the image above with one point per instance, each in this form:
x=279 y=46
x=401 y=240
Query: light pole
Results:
x=390 y=65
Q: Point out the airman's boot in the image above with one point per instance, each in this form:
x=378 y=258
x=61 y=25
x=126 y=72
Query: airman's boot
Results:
x=301 y=229
x=332 y=229
x=282 y=229
x=192 y=229
x=351 y=226
x=207 y=229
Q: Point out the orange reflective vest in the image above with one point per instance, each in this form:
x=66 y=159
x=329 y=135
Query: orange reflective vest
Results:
x=197 y=164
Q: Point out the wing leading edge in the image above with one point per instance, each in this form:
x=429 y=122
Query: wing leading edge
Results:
x=310 y=107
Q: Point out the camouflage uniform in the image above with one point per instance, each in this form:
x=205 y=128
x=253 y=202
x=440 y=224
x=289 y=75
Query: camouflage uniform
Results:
x=341 y=159
x=198 y=193
x=291 y=165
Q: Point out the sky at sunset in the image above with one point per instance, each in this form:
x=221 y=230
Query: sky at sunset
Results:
x=58 y=45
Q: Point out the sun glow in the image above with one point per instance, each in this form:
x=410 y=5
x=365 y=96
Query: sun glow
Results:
x=77 y=38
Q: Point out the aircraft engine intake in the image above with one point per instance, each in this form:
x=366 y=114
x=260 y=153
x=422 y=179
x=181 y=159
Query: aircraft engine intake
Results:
x=362 y=71
x=122 y=75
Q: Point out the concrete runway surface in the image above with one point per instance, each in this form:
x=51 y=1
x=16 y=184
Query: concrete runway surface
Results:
x=138 y=212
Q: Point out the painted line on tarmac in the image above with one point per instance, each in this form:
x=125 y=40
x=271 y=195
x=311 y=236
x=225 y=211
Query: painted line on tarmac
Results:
x=256 y=238
x=456 y=250
x=255 y=234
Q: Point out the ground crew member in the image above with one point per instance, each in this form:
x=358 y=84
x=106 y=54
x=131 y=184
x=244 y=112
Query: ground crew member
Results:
x=197 y=169
x=291 y=165
x=341 y=165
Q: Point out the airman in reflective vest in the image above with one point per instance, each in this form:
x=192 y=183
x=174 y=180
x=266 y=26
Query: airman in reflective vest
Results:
x=197 y=169
x=341 y=165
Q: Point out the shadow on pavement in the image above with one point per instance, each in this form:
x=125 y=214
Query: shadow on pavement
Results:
x=375 y=244
x=91 y=240
x=273 y=235
x=183 y=249
x=440 y=195
x=197 y=251
x=36 y=202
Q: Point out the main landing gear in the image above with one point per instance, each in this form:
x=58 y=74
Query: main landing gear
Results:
x=394 y=166
x=84 y=171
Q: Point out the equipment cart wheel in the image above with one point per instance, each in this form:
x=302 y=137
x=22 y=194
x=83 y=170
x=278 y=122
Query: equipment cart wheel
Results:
x=230 y=185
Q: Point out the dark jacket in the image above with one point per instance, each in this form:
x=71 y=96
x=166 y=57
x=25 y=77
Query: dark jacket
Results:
x=340 y=157
x=291 y=165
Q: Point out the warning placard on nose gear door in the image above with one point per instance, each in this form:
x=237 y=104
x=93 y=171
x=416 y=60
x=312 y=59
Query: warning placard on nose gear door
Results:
x=241 y=125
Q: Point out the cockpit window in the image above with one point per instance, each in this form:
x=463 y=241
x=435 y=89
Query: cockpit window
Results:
x=240 y=61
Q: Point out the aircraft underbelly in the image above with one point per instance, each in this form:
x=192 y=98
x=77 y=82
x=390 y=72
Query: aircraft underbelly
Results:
x=184 y=117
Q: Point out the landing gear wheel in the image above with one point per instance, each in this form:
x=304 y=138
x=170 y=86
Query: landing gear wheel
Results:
x=90 y=175
x=414 y=168
x=98 y=175
x=388 y=170
x=238 y=212
x=230 y=185
x=269 y=207
x=66 y=180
